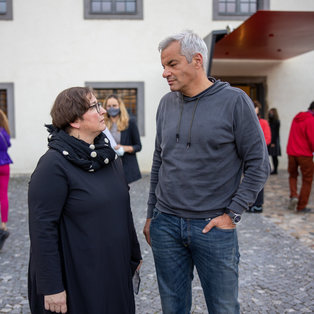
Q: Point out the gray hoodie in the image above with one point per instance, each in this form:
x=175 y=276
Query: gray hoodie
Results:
x=204 y=145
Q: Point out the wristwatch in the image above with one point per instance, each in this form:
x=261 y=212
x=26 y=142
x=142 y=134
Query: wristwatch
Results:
x=236 y=218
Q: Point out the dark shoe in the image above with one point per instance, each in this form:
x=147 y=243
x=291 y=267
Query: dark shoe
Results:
x=304 y=210
x=274 y=172
x=4 y=234
x=258 y=209
x=255 y=209
x=250 y=210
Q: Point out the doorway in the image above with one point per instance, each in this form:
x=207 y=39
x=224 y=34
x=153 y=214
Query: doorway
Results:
x=254 y=87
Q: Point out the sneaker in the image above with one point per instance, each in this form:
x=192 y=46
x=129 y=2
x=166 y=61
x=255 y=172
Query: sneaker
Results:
x=258 y=209
x=255 y=209
x=304 y=210
x=4 y=234
x=293 y=203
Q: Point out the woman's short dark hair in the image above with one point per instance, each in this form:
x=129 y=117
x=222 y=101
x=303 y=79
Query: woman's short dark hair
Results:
x=311 y=107
x=70 y=105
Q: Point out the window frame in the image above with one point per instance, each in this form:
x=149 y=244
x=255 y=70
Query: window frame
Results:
x=140 y=107
x=107 y=16
x=9 y=15
x=261 y=5
x=9 y=87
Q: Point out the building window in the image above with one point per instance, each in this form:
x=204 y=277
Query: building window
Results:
x=237 y=9
x=113 y=9
x=6 y=10
x=7 y=104
x=132 y=94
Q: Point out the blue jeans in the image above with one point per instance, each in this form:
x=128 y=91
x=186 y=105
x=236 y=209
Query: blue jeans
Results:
x=178 y=244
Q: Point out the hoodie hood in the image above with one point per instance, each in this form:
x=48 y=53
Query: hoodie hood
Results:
x=216 y=87
x=302 y=116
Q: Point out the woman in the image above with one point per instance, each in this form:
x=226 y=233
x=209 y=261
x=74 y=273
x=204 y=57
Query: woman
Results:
x=257 y=207
x=5 y=162
x=125 y=133
x=84 y=248
x=274 y=149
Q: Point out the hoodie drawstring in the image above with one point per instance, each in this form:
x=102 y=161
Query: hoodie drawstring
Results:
x=188 y=144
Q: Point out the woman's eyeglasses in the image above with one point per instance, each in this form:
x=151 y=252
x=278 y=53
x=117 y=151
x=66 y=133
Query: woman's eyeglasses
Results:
x=98 y=107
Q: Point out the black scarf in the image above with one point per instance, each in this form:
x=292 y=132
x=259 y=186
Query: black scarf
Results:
x=89 y=157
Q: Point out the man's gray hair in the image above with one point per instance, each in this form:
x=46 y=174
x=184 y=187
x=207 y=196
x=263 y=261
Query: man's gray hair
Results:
x=190 y=44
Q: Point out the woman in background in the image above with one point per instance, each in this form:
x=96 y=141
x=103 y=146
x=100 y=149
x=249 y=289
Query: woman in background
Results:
x=258 y=205
x=274 y=149
x=125 y=132
x=5 y=162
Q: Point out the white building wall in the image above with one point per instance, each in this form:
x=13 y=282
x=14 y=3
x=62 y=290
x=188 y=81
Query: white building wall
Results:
x=48 y=46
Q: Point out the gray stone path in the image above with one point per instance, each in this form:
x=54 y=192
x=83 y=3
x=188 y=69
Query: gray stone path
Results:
x=276 y=269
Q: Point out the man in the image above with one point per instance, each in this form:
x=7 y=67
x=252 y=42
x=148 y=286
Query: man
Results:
x=300 y=150
x=207 y=135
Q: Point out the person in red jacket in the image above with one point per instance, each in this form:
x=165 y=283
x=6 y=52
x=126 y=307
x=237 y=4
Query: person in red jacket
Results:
x=300 y=150
x=257 y=207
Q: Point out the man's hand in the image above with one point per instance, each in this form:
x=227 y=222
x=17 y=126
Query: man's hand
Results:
x=56 y=302
x=146 y=230
x=222 y=222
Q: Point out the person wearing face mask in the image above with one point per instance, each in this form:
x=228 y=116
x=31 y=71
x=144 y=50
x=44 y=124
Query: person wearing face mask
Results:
x=274 y=148
x=125 y=132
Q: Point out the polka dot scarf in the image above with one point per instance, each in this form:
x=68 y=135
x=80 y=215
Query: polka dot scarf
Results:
x=89 y=157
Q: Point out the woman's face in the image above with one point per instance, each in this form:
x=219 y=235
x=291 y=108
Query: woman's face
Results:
x=113 y=108
x=92 y=121
x=112 y=103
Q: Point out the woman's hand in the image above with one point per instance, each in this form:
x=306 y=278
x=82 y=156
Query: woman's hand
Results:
x=56 y=302
x=126 y=148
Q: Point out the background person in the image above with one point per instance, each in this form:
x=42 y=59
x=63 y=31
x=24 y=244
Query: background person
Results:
x=274 y=149
x=207 y=133
x=84 y=247
x=300 y=150
x=125 y=132
x=257 y=207
x=5 y=162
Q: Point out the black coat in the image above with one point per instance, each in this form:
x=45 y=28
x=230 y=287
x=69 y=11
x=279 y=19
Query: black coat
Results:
x=275 y=139
x=131 y=136
x=82 y=237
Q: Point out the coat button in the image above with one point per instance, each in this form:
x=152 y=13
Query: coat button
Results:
x=106 y=161
x=65 y=153
x=92 y=146
x=93 y=154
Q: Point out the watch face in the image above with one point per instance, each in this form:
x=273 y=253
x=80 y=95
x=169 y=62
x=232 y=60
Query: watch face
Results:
x=236 y=219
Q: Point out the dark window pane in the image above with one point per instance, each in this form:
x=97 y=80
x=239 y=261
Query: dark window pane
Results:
x=106 y=7
x=3 y=8
x=3 y=101
x=120 y=6
x=244 y=7
x=231 y=8
x=130 y=7
x=129 y=97
x=96 y=6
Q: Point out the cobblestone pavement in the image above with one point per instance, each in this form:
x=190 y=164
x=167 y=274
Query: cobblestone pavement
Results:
x=276 y=267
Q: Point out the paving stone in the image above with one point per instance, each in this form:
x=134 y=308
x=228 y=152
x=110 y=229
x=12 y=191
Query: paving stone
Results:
x=276 y=267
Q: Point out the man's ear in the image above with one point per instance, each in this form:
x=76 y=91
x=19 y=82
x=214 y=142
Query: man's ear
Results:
x=198 y=60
